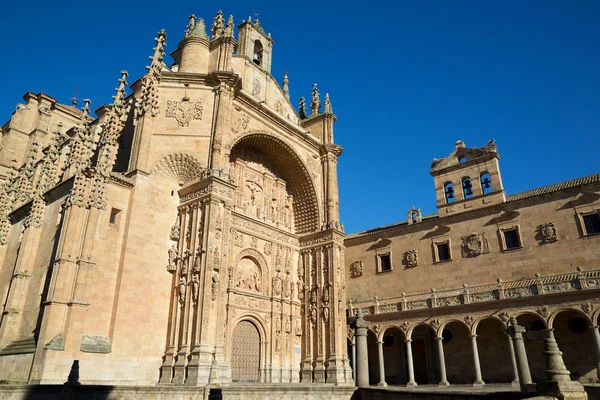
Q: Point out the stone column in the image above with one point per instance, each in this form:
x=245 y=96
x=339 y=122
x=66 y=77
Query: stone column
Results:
x=381 y=364
x=558 y=380
x=442 y=362
x=478 y=379
x=596 y=334
x=409 y=360
x=513 y=360
x=361 y=363
x=516 y=333
x=354 y=358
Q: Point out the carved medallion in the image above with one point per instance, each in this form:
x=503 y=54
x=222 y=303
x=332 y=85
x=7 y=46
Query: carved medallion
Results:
x=184 y=111
x=412 y=258
x=474 y=245
x=548 y=232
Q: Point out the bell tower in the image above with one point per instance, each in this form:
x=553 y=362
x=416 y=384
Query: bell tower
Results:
x=468 y=178
x=255 y=45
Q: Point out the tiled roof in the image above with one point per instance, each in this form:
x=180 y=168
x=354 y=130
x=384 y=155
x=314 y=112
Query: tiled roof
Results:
x=585 y=180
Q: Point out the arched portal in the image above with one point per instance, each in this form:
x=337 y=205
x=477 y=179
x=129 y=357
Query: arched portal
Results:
x=245 y=352
x=273 y=184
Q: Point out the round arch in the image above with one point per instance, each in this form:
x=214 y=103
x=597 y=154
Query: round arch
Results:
x=568 y=309
x=261 y=261
x=284 y=158
x=481 y=319
x=410 y=331
x=454 y=320
x=247 y=348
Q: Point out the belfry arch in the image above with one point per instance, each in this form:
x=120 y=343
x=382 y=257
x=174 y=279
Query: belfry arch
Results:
x=286 y=163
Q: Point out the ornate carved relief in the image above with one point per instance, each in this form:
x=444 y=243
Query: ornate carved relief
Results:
x=240 y=122
x=411 y=258
x=548 y=232
x=469 y=320
x=474 y=245
x=181 y=168
x=249 y=275
x=173 y=257
x=356 y=269
x=184 y=111
x=587 y=308
x=544 y=311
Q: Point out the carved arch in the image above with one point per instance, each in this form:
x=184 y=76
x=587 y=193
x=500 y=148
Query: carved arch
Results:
x=261 y=261
x=179 y=167
x=282 y=155
x=260 y=324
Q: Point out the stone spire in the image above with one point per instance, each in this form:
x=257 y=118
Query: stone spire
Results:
x=229 y=28
x=115 y=120
x=218 y=26
x=199 y=30
x=315 y=103
x=286 y=87
x=191 y=25
x=148 y=98
x=327 y=105
x=302 y=112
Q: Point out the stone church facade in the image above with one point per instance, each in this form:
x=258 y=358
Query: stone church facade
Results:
x=441 y=293
x=187 y=235
x=190 y=236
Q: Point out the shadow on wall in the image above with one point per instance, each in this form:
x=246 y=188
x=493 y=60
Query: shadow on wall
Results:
x=72 y=389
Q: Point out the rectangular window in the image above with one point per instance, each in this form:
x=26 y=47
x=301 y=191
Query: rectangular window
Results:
x=511 y=238
x=385 y=262
x=592 y=224
x=443 y=251
x=114 y=214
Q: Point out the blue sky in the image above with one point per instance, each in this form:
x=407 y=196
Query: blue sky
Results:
x=406 y=79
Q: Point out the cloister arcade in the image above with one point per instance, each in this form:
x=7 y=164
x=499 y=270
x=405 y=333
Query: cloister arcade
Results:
x=478 y=350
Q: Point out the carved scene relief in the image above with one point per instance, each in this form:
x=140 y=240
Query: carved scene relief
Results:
x=262 y=192
x=249 y=275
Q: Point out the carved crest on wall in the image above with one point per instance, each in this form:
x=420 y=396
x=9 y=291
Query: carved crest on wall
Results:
x=474 y=245
x=356 y=269
x=240 y=121
x=412 y=258
x=184 y=111
x=548 y=232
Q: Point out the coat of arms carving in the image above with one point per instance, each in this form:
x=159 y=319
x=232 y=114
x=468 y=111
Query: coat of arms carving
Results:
x=356 y=269
x=548 y=231
x=474 y=245
x=412 y=258
x=184 y=111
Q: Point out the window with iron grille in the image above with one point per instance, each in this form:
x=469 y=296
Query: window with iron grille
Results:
x=443 y=250
x=385 y=263
x=592 y=224
x=511 y=238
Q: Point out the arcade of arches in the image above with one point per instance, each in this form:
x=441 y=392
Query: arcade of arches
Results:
x=476 y=350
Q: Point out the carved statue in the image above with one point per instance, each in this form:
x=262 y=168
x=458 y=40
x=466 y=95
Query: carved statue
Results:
x=195 y=285
x=277 y=284
x=214 y=286
x=326 y=314
x=173 y=254
x=182 y=290
x=326 y=295
x=287 y=286
x=313 y=315
x=300 y=290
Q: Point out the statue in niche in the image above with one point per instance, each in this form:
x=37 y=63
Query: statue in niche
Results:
x=195 y=285
x=313 y=296
x=277 y=325
x=287 y=325
x=287 y=286
x=277 y=284
x=300 y=290
x=214 y=286
x=274 y=210
x=313 y=315
x=326 y=295
x=278 y=256
x=175 y=230
x=182 y=290
x=326 y=314
x=173 y=257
